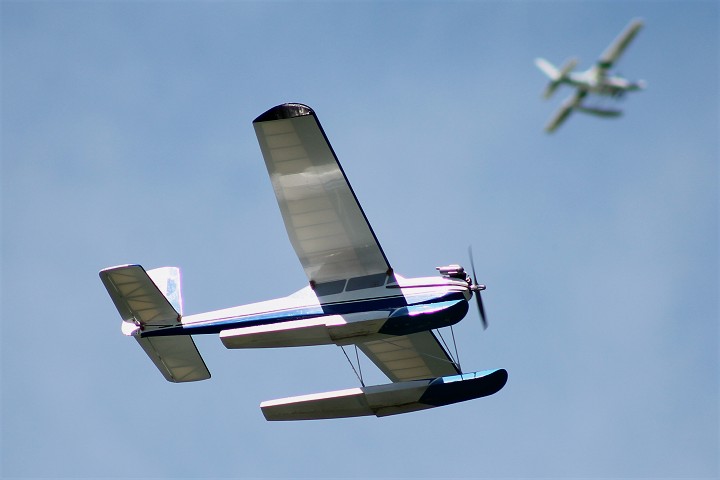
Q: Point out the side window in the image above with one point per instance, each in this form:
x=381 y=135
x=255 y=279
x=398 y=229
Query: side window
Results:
x=329 y=288
x=367 y=281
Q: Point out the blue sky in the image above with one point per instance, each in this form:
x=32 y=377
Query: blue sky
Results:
x=127 y=138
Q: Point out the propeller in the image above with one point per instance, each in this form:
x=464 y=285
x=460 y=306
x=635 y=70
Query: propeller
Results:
x=477 y=288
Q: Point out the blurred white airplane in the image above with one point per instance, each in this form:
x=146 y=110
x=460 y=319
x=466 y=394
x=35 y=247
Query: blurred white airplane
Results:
x=594 y=80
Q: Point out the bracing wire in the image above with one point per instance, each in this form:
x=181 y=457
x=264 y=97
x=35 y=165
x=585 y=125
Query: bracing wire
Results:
x=455 y=360
x=357 y=358
x=457 y=355
x=444 y=343
x=358 y=375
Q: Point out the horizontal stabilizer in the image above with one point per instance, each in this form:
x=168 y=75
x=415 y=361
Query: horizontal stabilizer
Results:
x=548 y=68
x=390 y=399
x=177 y=357
x=138 y=298
x=150 y=301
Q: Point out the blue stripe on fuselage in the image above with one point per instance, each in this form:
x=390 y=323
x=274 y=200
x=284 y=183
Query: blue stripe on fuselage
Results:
x=267 y=318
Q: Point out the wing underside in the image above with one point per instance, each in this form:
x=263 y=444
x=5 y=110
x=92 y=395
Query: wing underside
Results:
x=611 y=55
x=410 y=357
x=330 y=233
x=565 y=110
x=325 y=223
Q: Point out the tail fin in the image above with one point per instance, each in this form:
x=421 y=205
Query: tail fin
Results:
x=150 y=301
x=557 y=76
x=167 y=280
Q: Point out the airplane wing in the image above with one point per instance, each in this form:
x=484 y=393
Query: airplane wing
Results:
x=410 y=357
x=565 y=110
x=611 y=55
x=326 y=225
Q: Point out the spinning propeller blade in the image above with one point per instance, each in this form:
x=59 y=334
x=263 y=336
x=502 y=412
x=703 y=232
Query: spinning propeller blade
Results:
x=477 y=288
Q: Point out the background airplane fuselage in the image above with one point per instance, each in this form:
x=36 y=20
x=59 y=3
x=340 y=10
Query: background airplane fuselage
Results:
x=593 y=81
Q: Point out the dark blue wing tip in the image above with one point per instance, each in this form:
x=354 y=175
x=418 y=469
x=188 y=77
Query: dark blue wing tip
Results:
x=285 y=111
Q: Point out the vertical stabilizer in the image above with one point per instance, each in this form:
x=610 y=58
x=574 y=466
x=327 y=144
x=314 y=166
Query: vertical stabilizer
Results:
x=167 y=280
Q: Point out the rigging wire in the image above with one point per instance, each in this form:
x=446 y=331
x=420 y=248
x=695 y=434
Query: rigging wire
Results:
x=456 y=359
x=358 y=375
x=357 y=357
x=445 y=344
x=457 y=355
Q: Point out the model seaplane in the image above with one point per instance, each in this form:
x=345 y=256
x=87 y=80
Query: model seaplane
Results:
x=354 y=298
x=595 y=80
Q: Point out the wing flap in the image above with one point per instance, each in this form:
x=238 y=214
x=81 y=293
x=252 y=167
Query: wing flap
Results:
x=410 y=357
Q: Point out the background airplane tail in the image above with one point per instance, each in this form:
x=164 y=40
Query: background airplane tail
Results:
x=150 y=301
x=557 y=76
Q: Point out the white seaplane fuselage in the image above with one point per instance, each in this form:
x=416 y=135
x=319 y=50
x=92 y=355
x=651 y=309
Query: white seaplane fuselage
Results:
x=398 y=306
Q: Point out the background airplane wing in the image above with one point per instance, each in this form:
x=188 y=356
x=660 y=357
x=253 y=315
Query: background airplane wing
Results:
x=613 y=52
x=326 y=225
x=410 y=357
x=565 y=110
